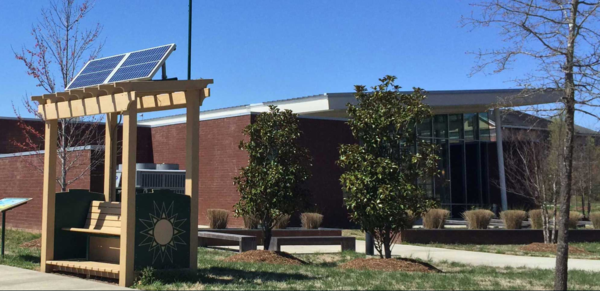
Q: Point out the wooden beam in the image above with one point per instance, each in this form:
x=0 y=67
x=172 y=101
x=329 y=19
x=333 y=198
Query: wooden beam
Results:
x=113 y=104
x=128 y=196
x=49 y=194
x=110 y=157
x=191 y=168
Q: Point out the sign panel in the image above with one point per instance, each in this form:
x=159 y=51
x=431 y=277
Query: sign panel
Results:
x=10 y=203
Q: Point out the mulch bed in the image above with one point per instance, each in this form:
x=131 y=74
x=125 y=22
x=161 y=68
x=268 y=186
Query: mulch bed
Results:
x=34 y=244
x=260 y=256
x=390 y=265
x=549 y=248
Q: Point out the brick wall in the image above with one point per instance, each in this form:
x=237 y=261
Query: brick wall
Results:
x=220 y=160
x=19 y=177
x=323 y=138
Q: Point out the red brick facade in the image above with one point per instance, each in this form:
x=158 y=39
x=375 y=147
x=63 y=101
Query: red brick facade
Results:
x=220 y=161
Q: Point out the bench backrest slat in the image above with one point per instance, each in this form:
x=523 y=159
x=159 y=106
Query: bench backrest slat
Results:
x=104 y=216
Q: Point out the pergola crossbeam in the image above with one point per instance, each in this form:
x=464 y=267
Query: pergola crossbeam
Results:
x=85 y=102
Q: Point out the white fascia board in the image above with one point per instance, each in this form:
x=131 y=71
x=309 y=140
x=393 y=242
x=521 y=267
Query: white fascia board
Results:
x=41 y=152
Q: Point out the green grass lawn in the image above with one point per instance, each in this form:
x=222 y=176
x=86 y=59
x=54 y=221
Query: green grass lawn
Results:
x=320 y=273
x=20 y=257
x=592 y=248
x=357 y=233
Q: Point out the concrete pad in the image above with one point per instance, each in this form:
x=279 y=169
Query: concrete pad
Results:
x=12 y=278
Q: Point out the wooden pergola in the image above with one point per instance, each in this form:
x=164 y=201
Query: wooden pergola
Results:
x=126 y=99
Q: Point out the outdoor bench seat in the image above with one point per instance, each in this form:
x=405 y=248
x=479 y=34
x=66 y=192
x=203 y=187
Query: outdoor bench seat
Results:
x=104 y=218
x=246 y=242
x=347 y=243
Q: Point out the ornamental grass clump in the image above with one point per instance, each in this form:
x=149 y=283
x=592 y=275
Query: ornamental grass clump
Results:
x=282 y=222
x=435 y=218
x=218 y=218
x=250 y=222
x=513 y=219
x=574 y=218
x=478 y=219
x=311 y=220
x=595 y=219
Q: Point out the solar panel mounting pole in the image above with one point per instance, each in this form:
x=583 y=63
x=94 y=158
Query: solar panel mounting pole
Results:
x=189 y=75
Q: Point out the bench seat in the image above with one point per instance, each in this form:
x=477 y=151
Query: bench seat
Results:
x=348 y=243
x=104 y=218
x=246 y=242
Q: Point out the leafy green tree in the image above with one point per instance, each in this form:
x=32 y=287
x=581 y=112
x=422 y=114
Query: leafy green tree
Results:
x=271 y=185
x=382 y=172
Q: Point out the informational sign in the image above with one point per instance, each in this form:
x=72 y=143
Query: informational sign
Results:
x=5 y=205
x=10 y=203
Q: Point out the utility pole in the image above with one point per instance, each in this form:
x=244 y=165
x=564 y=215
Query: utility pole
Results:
x=189 y=72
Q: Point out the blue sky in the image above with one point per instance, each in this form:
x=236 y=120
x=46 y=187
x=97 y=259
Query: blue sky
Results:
x=268 y=50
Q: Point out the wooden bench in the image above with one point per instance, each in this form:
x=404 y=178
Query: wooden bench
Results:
x=104 y=218
x=246 y=242
x=348 y=243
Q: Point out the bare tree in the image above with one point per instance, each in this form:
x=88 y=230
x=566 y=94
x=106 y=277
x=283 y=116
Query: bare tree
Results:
x=62 y=45
x=561 y=37
x=586 y=172
x=529 y=173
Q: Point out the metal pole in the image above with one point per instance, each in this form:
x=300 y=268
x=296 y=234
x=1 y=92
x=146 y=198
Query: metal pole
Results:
x=369 y=244
x=500 y=152
x=189 y=72
x=3 y=230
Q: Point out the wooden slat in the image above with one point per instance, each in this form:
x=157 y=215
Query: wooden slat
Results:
x=107 y=210
x=104 y=216
x=93 y=223
x=87 y=265
x=103 y=204
x=106 y=230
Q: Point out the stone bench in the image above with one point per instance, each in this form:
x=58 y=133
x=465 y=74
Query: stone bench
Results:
x=347 y=243
x=246 y=242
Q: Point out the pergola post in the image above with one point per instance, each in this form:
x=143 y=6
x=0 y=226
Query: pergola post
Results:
x=191 y=168
x=49 y=193
x=128 y=195
x=110 y=157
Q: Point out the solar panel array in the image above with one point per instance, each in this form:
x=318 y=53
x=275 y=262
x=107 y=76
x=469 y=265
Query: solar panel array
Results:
x=138 y=65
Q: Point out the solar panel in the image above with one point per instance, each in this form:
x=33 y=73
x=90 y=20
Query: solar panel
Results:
x=138 y=65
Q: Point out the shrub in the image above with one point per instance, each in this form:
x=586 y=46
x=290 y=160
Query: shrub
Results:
x=574 y=218
x=250 y=222
x=435 y=218
x=311 y=220
x=282 y=221
x=513 y=219
x=478 y=219
x=595 y=219
x=535 y=217
x=217 y=218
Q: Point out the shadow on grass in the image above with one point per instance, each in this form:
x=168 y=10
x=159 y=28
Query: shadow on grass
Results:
x=29 y=258
x=222 y=275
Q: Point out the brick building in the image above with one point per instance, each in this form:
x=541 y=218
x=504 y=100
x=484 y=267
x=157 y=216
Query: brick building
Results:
x=464 y=126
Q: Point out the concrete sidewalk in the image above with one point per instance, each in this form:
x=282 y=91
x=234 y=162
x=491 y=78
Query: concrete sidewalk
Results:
x=464 y=257
x=12 y=278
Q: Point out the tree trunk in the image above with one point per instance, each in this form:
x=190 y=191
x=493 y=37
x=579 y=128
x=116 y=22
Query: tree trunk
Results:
x=545 y=224
x=566 y=169
x=387 y=244
x=267 y=233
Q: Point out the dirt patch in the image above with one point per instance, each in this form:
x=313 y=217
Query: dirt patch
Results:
x=268 y=257
x=550 y=248
x=390 y=265
x=33 y=244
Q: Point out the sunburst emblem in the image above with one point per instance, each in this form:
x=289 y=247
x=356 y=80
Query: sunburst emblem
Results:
x=163 y=232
